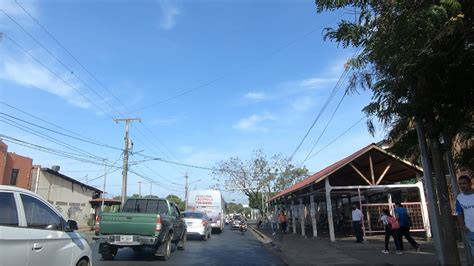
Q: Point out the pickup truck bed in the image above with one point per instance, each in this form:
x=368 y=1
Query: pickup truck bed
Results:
x=144 y=223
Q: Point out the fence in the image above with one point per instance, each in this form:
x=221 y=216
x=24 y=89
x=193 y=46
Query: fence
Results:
x=372 y=213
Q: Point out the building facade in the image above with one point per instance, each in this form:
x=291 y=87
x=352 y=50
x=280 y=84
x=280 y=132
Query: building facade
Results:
x=71 y=197
x=15 y=169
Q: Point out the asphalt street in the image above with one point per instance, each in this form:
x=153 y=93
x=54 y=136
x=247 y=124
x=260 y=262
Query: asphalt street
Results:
x=228 y=247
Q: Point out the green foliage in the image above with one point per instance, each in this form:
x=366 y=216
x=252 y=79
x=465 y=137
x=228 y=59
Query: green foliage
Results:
x=178 y=201
x=417 y=57
x=234 y=208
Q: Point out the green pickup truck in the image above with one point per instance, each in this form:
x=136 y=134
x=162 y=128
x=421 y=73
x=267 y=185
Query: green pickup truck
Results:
x=143 y=223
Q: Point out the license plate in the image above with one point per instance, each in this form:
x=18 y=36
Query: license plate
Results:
x=126 y=238
x=189 y=224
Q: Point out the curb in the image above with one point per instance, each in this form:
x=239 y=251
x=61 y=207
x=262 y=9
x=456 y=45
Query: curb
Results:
x=261 y=236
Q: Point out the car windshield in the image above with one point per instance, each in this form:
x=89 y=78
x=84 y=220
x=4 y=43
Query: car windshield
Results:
x=193 y=215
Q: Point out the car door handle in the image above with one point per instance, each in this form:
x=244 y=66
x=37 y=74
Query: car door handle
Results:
x=37 y=246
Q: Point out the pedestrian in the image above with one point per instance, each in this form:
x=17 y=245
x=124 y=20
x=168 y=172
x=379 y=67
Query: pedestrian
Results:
x=357 y=223
x=465 y=209
x=404 y=230
x=273 y=220
x=283 y=221
x=390 y=230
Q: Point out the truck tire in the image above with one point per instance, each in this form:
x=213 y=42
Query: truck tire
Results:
x=167 y=249
x=182 y=241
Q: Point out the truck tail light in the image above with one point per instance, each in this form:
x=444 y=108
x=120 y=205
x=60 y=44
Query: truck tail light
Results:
x=97 y=224
x=158 y=223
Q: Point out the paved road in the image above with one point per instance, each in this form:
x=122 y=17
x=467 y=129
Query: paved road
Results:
x=229 y=247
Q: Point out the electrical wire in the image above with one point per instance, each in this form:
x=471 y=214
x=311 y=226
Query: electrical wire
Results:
x=80 y=137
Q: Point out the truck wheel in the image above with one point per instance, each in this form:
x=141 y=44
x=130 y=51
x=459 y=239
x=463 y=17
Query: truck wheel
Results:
x=167 y=249
x=182 y=241
x=83 y=262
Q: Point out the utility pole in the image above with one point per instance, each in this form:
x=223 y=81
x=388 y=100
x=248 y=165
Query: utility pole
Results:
x=186 y=192
x=151 y=186
x=125 y=155
x=103 y=189
x=140 y=189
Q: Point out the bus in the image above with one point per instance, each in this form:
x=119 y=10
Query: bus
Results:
x=211 y=202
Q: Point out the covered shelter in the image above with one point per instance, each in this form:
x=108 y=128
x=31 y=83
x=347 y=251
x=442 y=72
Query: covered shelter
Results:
x=370 y=177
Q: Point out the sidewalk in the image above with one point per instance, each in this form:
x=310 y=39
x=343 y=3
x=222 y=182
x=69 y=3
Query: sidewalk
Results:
x=298 y=250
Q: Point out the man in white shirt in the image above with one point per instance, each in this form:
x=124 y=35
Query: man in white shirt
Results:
x=465 y=209
x=357 y=223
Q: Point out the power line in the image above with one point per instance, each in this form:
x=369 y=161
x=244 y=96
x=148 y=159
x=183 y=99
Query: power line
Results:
x=41 y=135
x=55 y=74
x=335 y=139
x=71 y=71
x=49 y=150
x=325 y=127
x=80 y=137
x=328 y=100
x=70 y=54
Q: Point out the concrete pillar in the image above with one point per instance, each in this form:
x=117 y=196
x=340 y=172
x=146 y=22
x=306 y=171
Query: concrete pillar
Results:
x=332 y=236
x=293 y=216
x=424 y=210
x=302 y=218
x=313 y=216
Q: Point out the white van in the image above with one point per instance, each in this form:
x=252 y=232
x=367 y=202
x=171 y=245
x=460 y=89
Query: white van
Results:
x=212 y=203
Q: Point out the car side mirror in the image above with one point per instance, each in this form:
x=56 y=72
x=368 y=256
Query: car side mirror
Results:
x=71 y=226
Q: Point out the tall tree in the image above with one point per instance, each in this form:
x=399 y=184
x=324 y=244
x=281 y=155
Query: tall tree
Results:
x=417 y=58
x=258 y=176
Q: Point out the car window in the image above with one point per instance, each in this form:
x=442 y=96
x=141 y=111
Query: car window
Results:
x=163 y=207
x=39 y=215
x=176 y=210
x=173 y=210
x=129 y=205
x=192 y=215
x=141 y=205
x=8 y=210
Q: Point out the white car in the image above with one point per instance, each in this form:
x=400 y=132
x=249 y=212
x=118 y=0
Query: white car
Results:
x=33 y=232
x=197 y=224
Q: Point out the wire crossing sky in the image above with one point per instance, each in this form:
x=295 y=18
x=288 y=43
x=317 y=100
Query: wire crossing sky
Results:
x=210 y=80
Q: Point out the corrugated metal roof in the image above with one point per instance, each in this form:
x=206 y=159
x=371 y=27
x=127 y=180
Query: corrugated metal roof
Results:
x=321 y=175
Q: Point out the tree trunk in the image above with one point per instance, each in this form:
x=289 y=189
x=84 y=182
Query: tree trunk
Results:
x=446 y=219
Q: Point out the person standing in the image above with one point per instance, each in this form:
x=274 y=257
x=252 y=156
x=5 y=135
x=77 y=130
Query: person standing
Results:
x=404 y=230
x=283 y=221
x=389 y=231
x=357 y=223
x=465 y=209
x=273 y=220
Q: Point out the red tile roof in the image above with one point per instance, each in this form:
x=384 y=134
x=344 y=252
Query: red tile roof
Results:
x=325 y=172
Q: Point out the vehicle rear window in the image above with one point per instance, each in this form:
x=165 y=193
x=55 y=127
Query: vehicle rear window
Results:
x=9 y=215
x=154 y=206
x=192 y=215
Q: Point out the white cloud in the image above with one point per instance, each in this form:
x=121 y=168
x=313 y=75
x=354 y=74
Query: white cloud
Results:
x=317 y=83
x=169 y=12
x=303 y=104
x=29 y=74
x=253 y=122
x=256 y=96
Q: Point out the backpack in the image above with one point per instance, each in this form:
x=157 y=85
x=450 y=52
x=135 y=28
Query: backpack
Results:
x=393 y=222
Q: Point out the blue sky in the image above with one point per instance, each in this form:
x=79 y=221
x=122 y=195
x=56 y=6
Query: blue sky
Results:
x=209 y=79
